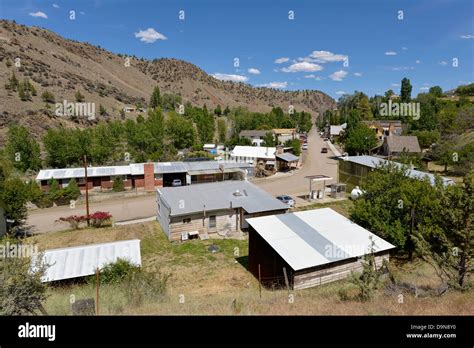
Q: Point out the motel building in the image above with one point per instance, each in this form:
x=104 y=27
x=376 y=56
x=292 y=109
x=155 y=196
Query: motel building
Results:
x=147 y=176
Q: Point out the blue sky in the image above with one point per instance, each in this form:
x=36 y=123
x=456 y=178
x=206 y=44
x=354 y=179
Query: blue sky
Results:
x=381 y=46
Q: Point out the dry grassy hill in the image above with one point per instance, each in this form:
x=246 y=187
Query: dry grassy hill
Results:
x=64 y=66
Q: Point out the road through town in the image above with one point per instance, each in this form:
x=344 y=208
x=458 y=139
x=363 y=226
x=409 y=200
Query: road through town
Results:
x=293 y=184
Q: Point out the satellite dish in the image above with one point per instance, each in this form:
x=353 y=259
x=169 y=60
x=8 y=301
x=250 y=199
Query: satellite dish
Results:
x=356 y=192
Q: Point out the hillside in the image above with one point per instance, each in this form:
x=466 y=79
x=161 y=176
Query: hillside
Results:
x=63 y=67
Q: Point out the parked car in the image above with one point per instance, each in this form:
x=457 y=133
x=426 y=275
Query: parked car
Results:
x=287 y=200
x=324 y=150
x=305 y=146
x=176 y=182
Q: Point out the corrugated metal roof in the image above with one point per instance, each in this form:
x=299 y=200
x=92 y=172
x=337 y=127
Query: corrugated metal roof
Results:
x=374 y=162
x=80 y=261
x=254 y=152
x=287 y=157
x=316 y=237
x=219 y=195
x=137 y=169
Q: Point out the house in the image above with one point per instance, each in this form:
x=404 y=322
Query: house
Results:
x=385 y=128
x=147 y=176
x=282 y=135
x=309 y=248
x=396 y=145
x=211 y=148
x=253 y=154
x=354 y=170
x=215 y=208
x=285 y=159
x=129 y=109
x=335 y=131
x=255 y=136
x=81 y=261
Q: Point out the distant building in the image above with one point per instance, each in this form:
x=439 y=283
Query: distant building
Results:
x=354 y=170
x=255 y=136
x=282 y=135
x=253 y=154
x=385 y=128
x=147 y=176
x=199 y=210
x=309 y=248
x=396 y=145
x=335 y=131
x=129 y=109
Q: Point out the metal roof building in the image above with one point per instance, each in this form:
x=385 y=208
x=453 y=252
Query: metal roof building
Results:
x=80 y=261
x=314 y=246
x=253 y=152
x=374 y=162
x=185 y=200
x=212 y=207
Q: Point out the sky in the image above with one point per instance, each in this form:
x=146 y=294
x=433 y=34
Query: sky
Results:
x=336 y=46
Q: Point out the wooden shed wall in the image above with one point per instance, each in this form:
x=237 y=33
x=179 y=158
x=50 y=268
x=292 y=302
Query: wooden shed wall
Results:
x=328 y=273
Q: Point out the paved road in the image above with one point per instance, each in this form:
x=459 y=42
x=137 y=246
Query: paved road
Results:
x=44 y=220
x=315 y=162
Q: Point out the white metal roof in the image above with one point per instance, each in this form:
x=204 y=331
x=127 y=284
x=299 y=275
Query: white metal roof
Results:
x=80 y=261
x=316 y=237
x=336 y=130
x=254 y=152
x=374 y=162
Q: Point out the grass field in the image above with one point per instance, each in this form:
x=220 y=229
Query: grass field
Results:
x=218 y=283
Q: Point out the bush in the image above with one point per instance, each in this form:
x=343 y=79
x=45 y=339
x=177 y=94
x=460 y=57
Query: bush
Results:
x=100 y=219
x=21 y=290
x=118 y=184
x=71 y=191
x=117 y=272
x=48 y=97
x=74 y=220
x=145 y=285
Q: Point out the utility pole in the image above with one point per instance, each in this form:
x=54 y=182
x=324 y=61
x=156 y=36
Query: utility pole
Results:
x=87 y=191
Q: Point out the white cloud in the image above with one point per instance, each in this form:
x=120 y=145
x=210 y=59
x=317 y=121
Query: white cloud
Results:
x=281 y=60
x=398 y=68
x=358 y=74
x=326 y=56
x=424 y=88
x=55 y=5
x=468 y=36
x=39 y=14
x=395 y=85
x=149 y=36
x=82 y=13
x=230 y=77
x=340 y=92
x=404 y=48
x=417 y=61
x=390 y=53
x=254 y=71
x=338 y=75
x=312 y=76
x=443 y=63
x=274 y=84
x=302 y=67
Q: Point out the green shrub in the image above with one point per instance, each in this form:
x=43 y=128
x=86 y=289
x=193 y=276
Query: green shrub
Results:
x=145 y=285
x=117 y=272
x=118 y=184
x=71 y=191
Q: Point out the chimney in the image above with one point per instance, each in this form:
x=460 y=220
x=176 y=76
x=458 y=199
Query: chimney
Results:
x=149 y=176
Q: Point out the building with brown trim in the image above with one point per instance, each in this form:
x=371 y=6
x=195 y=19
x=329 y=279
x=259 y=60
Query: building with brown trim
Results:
x=147 y=176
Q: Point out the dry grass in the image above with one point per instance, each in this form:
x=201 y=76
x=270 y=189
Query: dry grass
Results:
x=219 y=284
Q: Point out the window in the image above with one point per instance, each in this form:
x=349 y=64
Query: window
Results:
x=212 y=221
x=186 y=221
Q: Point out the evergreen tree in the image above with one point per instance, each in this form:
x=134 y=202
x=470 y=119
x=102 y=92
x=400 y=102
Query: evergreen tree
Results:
x=405 y=91
x=155 y=100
